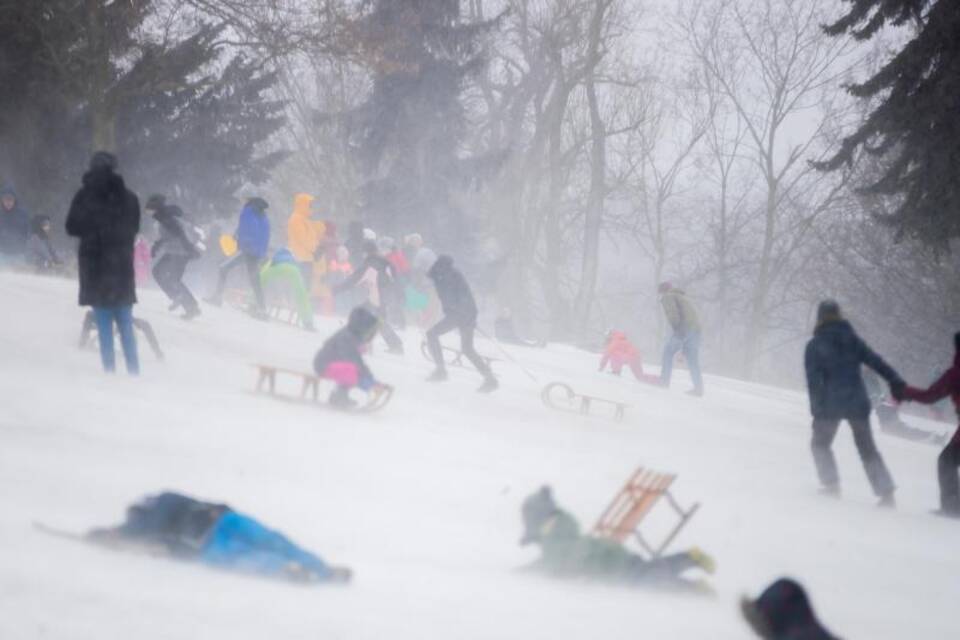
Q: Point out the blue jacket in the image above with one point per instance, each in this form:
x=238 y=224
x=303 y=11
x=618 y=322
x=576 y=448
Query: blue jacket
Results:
x=833 y=359
x=253 y=232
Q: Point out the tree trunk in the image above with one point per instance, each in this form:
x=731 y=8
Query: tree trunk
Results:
x=103 y=119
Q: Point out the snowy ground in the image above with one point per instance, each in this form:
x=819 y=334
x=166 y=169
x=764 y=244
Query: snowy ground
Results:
x=423 y=499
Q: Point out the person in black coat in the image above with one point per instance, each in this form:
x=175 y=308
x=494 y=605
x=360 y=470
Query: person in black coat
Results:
x=459 y=312
x=175 y=250
x=386 y=290
x=783 y=612
x=105 y=216
x=341 y=357
x=837 y=392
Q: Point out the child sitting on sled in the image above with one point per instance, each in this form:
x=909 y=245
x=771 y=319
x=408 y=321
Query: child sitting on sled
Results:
x=566 y=553
x=619 y=351
x=341 y=358
x=178 y=526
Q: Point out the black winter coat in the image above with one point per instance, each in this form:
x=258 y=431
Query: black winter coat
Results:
x=178 y=522
x=105 y=215
x=833 y=359
x=386 y=279
x=454 y=292
x=346 y=344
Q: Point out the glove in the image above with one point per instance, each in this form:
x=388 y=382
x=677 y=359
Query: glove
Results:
x=898 y=390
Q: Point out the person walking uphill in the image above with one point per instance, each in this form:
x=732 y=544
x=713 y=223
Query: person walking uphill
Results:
x=105 y=216
x=253 y=240
x=459 y=312
x=837 y=392
x=176 y=250
x=385 y=293
x=685 y=324
x=303 y=236
x=14 y=226
x=948 y=385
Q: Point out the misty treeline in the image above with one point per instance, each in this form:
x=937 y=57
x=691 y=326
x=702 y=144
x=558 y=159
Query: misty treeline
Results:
x=571 y=153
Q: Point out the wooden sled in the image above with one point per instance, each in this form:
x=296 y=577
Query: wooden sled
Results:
x=570 y=399
x=310 y=389
x=631 y=505
x=453 y=357
x=242 y=300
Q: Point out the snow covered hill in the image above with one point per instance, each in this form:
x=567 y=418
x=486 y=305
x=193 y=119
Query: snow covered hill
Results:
x=423 y=499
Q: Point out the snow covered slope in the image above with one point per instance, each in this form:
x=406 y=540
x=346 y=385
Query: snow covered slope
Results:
x=423 y=499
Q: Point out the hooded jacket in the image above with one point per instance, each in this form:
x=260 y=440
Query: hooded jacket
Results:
x=619 y=349
x=947 y=385
x=783 y=612
x=173 y=239
x=303 y=234
x=105 y=216
x=40 y=251
x=14 y=226
x=346 y=344
x=454 y=292
x=253 y=229
x=832 y=361
x=385 y=277
x=680 y=312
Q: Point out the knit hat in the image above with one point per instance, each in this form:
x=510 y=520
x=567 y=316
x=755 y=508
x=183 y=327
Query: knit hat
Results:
x=103 y=160
x=828 y=311
x=156 y=202
x=783 y=611
x=537 y=509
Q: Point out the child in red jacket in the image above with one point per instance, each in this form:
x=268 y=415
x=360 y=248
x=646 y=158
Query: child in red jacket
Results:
x=949 y=460
x=620 y=351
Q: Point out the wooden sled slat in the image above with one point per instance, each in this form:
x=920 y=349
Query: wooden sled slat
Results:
x=310 y=389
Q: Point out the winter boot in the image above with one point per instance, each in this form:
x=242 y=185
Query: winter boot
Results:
x=489 y=384
x=947 y=513
x=696 y=393
x=830 y=491
x=340 y=399
x=191 y=313
x=438 y=375
x=704 y=560
x=176 y=304
x=216 y=301
x=887 y=502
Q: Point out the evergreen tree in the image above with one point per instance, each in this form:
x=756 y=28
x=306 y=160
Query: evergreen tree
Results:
x=915 y=126
x=89 y=75
x=407 y=135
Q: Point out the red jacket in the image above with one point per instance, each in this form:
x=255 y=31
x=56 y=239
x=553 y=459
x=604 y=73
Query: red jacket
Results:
x=947 y=385
x=619 y=349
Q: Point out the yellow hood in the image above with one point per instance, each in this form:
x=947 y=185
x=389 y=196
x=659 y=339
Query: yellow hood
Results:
x=301 y=205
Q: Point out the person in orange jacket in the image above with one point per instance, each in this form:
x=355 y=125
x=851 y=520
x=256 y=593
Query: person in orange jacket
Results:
x=620 y=351
x=304 y=235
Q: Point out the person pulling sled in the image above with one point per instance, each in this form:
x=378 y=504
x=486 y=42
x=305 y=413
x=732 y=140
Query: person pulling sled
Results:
x=340 y=359
x=177 y=526
x=459 y=312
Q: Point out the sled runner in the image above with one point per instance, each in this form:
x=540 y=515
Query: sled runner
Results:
x=631 y=505
x=573 y=402
x=242 y=301
x=453 y=357
x=310 y=389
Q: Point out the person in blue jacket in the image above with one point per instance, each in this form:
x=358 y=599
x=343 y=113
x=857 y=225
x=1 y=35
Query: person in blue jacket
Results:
x=213 y=534
x=253 y=241
x=14 y=227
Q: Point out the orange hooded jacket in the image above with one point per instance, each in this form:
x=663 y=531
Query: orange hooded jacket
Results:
x=303 y=234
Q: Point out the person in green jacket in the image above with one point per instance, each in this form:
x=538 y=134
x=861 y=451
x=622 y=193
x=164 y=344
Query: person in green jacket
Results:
x=284 y=270
x=685 y=335
x=566 y=553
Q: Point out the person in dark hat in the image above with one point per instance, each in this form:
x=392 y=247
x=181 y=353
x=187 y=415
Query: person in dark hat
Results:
x=14 y=226
x=173 y=251
x=386 y=291
x=567 y=553
x=341 y=358
x=948 y=385
x=253 y=242
x=40 y=252
x=783 y=612
x=105 y=216
x=832 y=360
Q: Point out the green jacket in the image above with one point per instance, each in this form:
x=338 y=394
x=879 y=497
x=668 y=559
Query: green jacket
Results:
x=567 y=553
x=680 y=312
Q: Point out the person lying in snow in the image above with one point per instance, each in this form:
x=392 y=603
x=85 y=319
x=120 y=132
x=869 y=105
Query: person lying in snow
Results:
x=619 y=351
x=783 y=612
x=341 y=358
x=181 y=527
x=567 y=553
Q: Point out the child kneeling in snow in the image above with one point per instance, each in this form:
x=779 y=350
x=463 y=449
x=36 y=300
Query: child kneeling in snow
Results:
x=566 y=553
x=214 y=534
x=619 y=351
x=341 y=357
